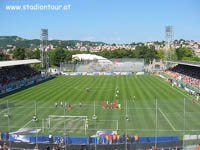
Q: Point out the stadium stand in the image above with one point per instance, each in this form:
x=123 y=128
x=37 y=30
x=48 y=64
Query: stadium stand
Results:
x=17 y=74
x=188 y=74
x=11 y=74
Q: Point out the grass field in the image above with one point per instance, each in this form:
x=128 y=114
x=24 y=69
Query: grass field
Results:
x=72 y=89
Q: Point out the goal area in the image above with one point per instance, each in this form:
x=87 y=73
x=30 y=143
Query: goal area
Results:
x=60 y=123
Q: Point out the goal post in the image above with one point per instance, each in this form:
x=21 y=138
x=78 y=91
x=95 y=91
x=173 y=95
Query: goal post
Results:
x=68 y=122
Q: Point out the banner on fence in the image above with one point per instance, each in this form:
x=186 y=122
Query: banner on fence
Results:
x=104 y=133
x=26 y=130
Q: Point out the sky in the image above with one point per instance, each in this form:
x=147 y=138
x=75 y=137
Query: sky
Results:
x=110 y=21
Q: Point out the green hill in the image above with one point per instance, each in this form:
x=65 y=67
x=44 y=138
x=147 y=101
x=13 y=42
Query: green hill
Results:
x=5 y=41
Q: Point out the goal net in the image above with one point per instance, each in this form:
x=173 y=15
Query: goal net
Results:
x=56 y=123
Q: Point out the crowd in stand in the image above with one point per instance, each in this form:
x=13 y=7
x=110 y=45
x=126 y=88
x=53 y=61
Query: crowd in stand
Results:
x=15 y=77
x=188 y=74
x=10 y=74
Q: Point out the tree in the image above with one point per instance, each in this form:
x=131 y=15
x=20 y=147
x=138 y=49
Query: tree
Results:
x=148 y=53
x=29 y=54
x=19 y=53
x=196 y=58
x=3 y=56
x=68 y=55
x=184 y=52
x=59 y=55
x=161 y=54
x=36 y=54
x=151 y=54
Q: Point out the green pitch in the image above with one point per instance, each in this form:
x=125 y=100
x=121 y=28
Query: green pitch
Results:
x=72 y=89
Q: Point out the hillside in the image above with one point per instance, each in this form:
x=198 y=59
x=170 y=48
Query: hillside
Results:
x=6 y=41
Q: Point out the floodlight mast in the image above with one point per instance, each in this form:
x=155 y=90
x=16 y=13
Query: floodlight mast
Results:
x=44 y=55
x=168 y=40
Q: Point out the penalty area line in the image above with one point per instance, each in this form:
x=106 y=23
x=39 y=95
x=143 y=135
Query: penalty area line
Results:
x=26 y=124
x=167 y=119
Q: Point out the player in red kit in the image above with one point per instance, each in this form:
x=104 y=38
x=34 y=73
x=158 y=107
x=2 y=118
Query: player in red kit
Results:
x=111 y=105
x=115 y=104
x=193 y=100
x=103 y=105
x=108 y=106
x=69 y=106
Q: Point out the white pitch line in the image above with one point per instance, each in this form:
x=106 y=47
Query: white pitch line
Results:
x=26 y=123
x=166 y=119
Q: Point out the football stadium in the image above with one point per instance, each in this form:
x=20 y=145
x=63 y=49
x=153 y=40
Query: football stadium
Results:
x=99 y=103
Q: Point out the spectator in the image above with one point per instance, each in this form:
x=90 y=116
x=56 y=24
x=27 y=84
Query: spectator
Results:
x=35 y=148
x=114 y=138
x=136 y=138
x=110 y=139
x=118 y=139
x=154 y=148
x=47 y=148
x=132 y=139
x=50 y=139
x=5 y=147
x=98 y=139
x=127 y=139
x=188 y=74
x=198 y=147
x=53 y=148
x=107 y=139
